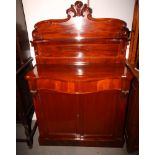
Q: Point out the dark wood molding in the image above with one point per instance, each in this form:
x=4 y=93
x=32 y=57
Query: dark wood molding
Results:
x=78 y=9
x=132 y=121
x=133 y=69
x=134 y=43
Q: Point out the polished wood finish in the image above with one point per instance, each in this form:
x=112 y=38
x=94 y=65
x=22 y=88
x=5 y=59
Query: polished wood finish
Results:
x=24 y=106
x=132 y=121
x=80 y=82
x=134 y=44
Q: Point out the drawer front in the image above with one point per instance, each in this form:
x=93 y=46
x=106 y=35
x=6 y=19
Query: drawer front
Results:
x=79 y=86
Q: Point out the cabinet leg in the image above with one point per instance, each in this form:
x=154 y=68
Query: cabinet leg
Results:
x=28 y=131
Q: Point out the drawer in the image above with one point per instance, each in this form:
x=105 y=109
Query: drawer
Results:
x=79 y=86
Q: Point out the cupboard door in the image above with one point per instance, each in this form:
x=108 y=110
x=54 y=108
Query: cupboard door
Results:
x=102 y=115
x=59 y=112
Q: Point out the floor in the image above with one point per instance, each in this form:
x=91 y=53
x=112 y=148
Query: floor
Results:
x=22 y=148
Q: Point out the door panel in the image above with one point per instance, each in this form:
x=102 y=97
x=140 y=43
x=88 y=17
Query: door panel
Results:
x=60 y=112
x=102 y=114
x=92 y=116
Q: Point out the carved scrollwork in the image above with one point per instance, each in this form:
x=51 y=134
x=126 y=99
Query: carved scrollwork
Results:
x=79 y=9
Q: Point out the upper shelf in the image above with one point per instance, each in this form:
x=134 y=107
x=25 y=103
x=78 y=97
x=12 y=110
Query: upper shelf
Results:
x=89 y=72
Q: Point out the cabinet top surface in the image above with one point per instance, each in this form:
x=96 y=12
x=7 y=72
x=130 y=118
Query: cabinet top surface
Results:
x=79 y=73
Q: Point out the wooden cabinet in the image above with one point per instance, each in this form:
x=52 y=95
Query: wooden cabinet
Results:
x=80 y=83
x=132 y=116
x=73 y=117
x=132 y=123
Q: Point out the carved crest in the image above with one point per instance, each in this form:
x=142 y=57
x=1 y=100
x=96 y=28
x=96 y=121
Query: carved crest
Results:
x=79 y=9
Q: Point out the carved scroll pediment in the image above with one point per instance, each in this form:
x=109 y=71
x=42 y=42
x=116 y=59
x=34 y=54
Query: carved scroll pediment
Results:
x=80 y=25
x=79 y=9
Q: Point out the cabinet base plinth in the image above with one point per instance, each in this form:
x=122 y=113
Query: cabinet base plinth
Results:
x=85 y=142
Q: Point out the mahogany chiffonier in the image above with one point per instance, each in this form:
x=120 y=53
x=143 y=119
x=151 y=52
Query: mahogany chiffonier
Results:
x=80 y=82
